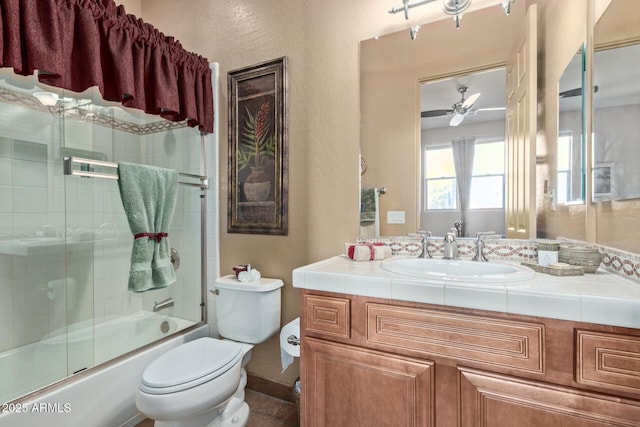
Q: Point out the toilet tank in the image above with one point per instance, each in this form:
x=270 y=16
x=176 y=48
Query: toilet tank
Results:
x=248 y=311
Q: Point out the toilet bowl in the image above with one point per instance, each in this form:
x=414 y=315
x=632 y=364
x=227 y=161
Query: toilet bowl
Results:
x=190 y=380
x=201 y=383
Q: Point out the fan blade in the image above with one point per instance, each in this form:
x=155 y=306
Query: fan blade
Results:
x=571 y=92
x=490 y=109
x=456 y=120
x=436 y=113
x=575 y=92
x=468 y=103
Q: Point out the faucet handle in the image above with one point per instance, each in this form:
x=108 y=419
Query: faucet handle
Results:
x=479 y=256
x=426 y=235
x=450 y=237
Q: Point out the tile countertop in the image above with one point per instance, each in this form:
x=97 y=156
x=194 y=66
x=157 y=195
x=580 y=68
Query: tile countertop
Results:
x=602 y=298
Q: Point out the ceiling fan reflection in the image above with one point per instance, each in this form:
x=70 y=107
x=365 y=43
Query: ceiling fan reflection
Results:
x=575 y=92
x=461 y=109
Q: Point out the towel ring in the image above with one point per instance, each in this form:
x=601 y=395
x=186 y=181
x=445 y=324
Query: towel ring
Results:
x=175 y=259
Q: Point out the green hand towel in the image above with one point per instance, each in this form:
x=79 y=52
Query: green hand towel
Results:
x=149 y=198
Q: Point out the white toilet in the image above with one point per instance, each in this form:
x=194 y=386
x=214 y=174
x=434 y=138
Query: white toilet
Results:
x=201 y=383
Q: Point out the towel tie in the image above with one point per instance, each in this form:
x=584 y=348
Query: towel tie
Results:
x=157 y=236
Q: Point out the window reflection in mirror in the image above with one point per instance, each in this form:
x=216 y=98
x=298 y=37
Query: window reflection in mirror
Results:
x=463 y=153
x=487 y=180
x=570 y=152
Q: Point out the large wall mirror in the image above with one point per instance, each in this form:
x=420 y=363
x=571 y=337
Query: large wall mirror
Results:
x=439 y=62
x=395 y=73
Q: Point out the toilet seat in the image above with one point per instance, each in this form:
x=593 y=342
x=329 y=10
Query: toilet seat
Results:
x=190 y=365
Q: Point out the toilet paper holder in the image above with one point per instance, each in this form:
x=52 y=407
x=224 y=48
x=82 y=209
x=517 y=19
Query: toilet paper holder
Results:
x=293 y=340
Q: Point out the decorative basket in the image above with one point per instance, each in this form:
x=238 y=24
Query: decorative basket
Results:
x=587 y=257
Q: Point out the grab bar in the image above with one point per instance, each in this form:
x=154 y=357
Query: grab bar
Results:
x=163 y=304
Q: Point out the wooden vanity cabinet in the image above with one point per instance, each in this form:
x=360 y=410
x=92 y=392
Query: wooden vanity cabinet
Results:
x=374 y=362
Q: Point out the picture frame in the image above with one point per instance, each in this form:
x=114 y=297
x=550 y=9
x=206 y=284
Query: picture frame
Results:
x=258 y=149
x=604 y=185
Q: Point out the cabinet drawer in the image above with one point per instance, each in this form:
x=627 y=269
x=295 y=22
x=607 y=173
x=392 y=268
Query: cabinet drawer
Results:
x=609 y=361
x=495 y=342
x=327 y=315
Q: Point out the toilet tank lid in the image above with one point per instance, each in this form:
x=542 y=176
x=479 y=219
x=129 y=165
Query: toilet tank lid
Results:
x=262 y=285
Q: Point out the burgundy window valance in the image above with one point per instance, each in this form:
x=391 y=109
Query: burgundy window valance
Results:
x=78 y=44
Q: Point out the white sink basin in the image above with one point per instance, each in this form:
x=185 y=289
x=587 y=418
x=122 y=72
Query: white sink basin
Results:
x=458 y=270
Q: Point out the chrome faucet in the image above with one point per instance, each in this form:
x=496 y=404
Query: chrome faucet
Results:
x=450 y=247
x=426 y=235
x=479 y=256
x=458 y=227
x=163 y=304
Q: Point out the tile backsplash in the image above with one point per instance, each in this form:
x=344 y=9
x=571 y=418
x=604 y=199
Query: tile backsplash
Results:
x=622 y=263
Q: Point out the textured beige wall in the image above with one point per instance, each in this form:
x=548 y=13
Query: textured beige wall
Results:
x=133 y=7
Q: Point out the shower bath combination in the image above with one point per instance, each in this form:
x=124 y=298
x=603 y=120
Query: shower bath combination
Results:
x=71 y=269
x=72 y=330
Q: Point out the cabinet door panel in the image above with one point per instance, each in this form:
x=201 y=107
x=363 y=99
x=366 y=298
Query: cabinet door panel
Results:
x=494 y=400
x=328 y=315
x=348 y=386
x=607 y=360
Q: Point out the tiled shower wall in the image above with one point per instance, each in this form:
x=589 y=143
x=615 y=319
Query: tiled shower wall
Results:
x=31 y=196
x=179 y=149
x=47 y=288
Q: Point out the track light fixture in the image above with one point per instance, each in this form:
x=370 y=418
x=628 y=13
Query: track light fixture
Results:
x=455 y=8
x=506 y=6
x=413 y=31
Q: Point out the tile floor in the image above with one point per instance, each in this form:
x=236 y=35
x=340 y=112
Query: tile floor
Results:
x=266 y=411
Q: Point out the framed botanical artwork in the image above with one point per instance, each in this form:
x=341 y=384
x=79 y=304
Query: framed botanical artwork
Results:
x=604 y=185
x=258 y=153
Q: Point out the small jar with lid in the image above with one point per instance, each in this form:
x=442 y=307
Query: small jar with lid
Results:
x=548 y=252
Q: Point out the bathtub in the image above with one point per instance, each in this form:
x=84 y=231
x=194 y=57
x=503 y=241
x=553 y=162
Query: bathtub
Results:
x=99 y=397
